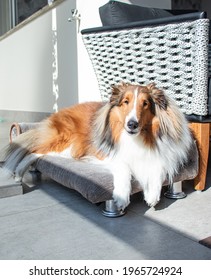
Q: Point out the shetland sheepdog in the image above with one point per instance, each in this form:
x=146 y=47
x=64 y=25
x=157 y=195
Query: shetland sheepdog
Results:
x=139 y=133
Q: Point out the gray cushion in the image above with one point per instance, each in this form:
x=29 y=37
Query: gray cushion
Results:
x=115 y=13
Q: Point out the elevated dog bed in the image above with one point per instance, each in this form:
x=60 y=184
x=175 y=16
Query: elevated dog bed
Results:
x=92 y=181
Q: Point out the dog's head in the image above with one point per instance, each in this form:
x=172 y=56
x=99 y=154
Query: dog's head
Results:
x=135 y=107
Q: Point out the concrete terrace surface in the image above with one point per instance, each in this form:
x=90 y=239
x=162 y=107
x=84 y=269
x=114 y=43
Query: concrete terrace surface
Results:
x=51 y=222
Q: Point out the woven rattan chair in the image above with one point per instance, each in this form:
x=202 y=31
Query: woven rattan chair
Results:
x=173 y=52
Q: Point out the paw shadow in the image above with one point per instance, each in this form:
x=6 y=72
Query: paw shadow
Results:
x=138 y=203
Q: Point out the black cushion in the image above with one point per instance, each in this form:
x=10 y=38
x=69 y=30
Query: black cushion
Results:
x=115 y=13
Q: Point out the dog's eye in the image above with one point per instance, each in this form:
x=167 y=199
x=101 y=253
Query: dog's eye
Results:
x=126 y=101
x=145 y=103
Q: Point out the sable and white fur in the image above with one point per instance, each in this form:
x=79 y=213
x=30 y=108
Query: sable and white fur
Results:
x=140 y=133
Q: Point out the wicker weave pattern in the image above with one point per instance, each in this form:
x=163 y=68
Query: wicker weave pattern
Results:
x=174 y=56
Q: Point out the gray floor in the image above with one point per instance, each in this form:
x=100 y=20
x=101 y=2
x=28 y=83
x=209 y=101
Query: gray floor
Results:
x=50 y=221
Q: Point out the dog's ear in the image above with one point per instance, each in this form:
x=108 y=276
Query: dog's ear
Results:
x=158 y=96
x=117 y=93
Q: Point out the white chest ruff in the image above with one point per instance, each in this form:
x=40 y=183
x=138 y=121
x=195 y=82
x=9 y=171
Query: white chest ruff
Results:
x=145 y=164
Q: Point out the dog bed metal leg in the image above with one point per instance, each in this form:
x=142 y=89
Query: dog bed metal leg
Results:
x=175 y=191
x=111 y=210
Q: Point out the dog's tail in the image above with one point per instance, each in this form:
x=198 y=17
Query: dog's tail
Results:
x=15 y=152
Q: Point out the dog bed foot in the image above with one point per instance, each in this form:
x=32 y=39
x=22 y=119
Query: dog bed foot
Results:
x=175 y=191
x=111 y=210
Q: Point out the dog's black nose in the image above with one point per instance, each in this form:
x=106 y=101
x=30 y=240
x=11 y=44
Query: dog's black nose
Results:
x=132 y=124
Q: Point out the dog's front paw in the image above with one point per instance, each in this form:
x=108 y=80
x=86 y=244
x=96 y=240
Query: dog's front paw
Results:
x=152 y=199
x=121 y=200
